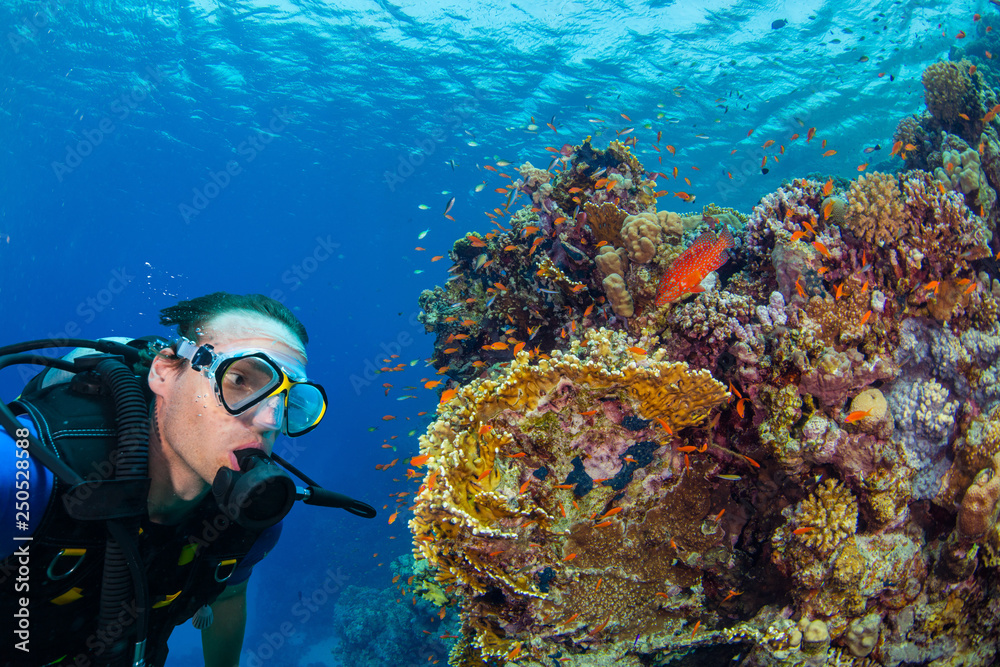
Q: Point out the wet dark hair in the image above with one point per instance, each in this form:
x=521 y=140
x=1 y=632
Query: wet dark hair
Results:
x=191 y=316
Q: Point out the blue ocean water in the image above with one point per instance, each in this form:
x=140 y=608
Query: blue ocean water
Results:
x=299 y=149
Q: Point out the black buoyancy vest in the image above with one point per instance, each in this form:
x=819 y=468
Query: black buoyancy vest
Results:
x=186 y=565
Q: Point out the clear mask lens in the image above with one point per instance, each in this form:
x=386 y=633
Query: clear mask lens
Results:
x=270 y=414
x=246 y=380
x=306 y=405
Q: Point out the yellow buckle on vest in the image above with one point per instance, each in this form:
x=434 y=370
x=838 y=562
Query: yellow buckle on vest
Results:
x=188 y=552
x=230 y=567
x=72 y=595
x=166 y=601
x=68 y=553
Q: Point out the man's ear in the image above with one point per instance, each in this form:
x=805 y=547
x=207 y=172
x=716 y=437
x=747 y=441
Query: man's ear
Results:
x=160 y=372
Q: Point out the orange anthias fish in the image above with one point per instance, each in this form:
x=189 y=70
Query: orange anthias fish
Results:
x=705 y=255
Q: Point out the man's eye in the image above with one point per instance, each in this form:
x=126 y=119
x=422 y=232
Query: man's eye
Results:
x=235 y=380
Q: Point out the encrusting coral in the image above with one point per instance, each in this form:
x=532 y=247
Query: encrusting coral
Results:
x=548 y=477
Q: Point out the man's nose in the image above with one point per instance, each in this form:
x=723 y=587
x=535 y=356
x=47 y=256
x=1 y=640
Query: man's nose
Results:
x=269 y=415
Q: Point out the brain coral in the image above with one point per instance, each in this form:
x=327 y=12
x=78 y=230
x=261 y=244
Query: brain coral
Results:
x=642 y=236
x=552 y=505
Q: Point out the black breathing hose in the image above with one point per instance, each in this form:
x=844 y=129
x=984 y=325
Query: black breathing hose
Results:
x=122 y=570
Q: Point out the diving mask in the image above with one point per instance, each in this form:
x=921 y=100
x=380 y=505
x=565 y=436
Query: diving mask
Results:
x=248 y=378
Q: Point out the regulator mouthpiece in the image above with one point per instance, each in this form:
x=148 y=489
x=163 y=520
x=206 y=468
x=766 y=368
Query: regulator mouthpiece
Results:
x=256 y=496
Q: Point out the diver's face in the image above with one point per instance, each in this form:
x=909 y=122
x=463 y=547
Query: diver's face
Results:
x=198 y=435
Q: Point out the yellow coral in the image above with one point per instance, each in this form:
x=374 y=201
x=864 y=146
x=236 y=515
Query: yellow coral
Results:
x=465 y=654
x=624 y=155
x=606 y=222
x=832 y=512
x=887 y=493
x=875 y=208
x=501 y=501
x=873 y=402
x=546 y=269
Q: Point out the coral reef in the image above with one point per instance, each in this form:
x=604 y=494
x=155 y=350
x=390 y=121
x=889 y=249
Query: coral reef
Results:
x=828 y=516
x=373 y=632
x=551 y=272
x=875 y=208
x=949 y=90
x=544 y=482
x=799 y=464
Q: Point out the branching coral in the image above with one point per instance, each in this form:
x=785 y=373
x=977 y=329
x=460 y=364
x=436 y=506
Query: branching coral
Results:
x=832 y=514
x=925 y=419
x=940 y=228
x=875 y=208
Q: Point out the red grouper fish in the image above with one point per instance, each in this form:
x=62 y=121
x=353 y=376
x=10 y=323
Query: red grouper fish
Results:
x=685 y=274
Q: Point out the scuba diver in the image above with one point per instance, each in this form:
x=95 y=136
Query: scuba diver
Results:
x=139 y=487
